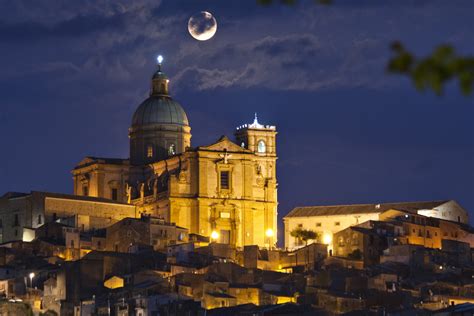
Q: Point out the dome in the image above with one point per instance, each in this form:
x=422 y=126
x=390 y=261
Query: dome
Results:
x=159 y=109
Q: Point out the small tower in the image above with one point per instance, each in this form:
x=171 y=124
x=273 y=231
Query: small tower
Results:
x=261 y=139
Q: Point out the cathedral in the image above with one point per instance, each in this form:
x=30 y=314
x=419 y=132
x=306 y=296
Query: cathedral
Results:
x=226 y=190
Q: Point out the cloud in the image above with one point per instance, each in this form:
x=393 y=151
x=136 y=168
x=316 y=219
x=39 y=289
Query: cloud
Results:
x=290 y=62
x=109 y=43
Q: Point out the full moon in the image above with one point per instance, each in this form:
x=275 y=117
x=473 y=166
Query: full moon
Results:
x=202 y=26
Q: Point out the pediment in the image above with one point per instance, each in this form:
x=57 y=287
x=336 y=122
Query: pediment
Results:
x=223 y=144
x=86 y=161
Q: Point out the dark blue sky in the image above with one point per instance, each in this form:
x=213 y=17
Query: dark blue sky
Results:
x=72 y=74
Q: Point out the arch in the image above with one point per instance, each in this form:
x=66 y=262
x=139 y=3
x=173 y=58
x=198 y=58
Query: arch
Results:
x=261 y=146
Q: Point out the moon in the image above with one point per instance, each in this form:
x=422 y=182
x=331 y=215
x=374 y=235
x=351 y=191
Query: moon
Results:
x=202 y=26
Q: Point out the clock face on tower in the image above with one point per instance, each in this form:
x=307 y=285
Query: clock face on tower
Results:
x=261 y=147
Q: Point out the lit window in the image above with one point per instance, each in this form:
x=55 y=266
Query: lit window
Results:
x=224 y=179
x=149 y=151
x=261 y=147
x=172 y=150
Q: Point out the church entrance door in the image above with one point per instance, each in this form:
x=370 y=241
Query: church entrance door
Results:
x=225 y=237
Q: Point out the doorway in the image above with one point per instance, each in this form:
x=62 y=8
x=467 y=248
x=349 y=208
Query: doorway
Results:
x=225 y=237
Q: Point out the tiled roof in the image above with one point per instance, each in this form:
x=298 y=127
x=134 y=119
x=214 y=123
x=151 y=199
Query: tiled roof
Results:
x=307 y=211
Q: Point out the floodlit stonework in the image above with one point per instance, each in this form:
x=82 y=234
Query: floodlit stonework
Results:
x=226 y=190
x=329 y=220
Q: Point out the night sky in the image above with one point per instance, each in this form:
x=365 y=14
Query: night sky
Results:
x=73 y=72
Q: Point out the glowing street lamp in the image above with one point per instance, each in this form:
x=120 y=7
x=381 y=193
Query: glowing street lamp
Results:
x=269 y=233
x=327 y=239
x=214 y=235
x=31 y=275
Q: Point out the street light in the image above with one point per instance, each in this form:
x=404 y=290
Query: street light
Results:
x=214 y=235
x=269 y=234
x=31 y=275
x=327 y=238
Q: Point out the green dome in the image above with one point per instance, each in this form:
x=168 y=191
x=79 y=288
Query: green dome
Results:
x=159 y=109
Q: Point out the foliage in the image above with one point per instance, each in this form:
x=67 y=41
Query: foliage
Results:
x=304 y=234
x=435 y=70
x=355 y=255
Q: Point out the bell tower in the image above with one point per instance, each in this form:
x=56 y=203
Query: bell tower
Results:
x=261 y=139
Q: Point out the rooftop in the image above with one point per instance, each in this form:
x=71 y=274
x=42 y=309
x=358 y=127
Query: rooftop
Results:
x=307 y=211
x=13 y=195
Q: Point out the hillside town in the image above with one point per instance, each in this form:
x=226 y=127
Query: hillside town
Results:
x=403 y=261
x=182 y=230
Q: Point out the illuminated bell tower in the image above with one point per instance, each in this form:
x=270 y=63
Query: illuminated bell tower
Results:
x=261 y=140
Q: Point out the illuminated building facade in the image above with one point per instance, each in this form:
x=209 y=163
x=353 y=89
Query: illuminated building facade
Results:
x=328 y=220
x=226 y=190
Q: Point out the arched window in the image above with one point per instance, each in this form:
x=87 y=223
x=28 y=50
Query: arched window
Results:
x=261 y=146
x=172 y=150
x=149 y=151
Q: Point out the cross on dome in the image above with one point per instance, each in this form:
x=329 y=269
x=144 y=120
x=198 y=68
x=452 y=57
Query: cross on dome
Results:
x=159 y=59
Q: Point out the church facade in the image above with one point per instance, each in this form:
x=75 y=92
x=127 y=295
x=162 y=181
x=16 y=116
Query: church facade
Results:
x=226 y=190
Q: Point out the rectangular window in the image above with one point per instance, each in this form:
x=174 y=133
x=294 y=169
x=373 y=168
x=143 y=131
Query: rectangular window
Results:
x=16 y=221
x=149 y=151
x=85 y=190
x=114 y=194
x=318 y=224
x=224 y=179
x=337 y=223
x=40 y=219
